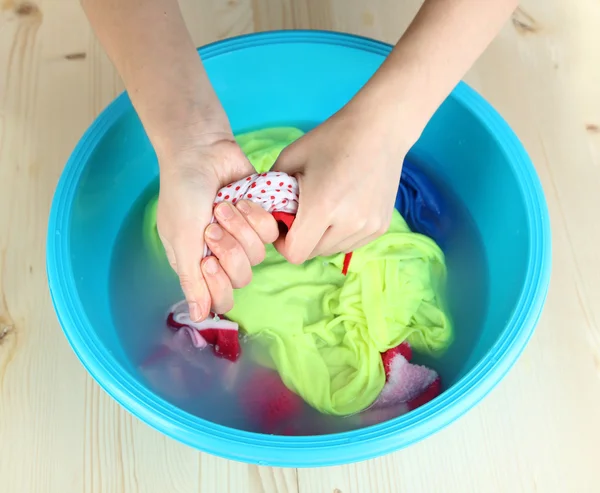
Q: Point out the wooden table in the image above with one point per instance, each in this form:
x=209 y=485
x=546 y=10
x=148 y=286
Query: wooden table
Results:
x=538 y=431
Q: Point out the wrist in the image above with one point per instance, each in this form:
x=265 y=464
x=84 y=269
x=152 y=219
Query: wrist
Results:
x=388 y=107
x=195 y=126
x=406 y=90
x=176 y=102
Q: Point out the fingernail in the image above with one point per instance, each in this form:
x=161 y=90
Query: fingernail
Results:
x=195 y=312
x=244 y=207
x=210 y=266
x=214 y=232
x=225 y=211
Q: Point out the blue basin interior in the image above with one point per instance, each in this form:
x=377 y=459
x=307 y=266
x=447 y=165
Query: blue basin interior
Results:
x=497 y=248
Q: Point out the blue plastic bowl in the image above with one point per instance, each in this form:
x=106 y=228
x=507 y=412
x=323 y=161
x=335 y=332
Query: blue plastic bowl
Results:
x=280 y=78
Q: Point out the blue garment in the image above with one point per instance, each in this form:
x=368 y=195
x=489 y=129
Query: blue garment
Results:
x=421 y=204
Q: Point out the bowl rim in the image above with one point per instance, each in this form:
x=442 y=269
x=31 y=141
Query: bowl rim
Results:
x=305 y=451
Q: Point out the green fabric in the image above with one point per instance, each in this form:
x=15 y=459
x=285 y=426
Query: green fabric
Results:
x=324 y=331
x=264 y=146
x=150 y=232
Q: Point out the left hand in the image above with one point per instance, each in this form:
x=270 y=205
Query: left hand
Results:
x=189 y=182
x=348 y=169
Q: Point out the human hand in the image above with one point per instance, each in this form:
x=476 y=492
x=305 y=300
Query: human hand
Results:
x=348 y=169
x=189 y=182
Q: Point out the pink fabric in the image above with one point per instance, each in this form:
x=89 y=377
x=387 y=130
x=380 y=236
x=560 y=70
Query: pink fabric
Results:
x=408 y=386
x=180 y=319
x=176 y=368
x=220 y=333
x=405 y=382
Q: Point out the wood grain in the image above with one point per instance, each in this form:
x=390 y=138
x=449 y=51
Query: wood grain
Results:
x=538 y=431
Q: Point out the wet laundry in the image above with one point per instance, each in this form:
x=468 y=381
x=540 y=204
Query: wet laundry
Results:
x=332 y=327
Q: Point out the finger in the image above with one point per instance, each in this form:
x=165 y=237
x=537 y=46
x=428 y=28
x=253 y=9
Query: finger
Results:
x=187 y=260
x=300 y=241
x=330 y=242
x=261 y=221
x=231 y=255
x=236 y=225
x=219 y=285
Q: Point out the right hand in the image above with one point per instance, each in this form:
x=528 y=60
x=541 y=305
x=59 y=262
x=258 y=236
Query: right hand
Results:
x=189 y=182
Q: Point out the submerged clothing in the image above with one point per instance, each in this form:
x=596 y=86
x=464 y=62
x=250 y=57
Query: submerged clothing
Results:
x=421 y=205
x=325 y=332
x=220 y=333
x=262 y=147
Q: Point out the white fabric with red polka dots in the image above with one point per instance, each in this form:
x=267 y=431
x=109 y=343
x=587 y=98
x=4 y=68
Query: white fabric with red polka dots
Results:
x=273 y=191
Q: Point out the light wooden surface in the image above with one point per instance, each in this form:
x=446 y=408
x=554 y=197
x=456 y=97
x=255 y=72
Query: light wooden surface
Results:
x=539 y=431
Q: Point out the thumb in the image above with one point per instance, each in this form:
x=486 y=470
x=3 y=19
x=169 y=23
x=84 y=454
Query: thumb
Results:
x=309 y=226
x=188 y=255
x=304 y=235
x=183 y=213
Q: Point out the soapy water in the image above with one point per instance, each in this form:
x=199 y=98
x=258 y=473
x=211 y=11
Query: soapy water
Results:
x=195 y=380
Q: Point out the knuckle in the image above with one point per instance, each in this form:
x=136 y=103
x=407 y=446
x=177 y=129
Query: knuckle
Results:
x=268 y=229
x=229 y=250
x=373 y=228
x=361 y=224
x=296 y=258
x=233 y=224
x=258 y=255
x=185 y=278
x=224 y=305
x=227 y=305
x=188 y=285
x=272 y=234
x=377 y=226
x=221 y=245
x=242 y=279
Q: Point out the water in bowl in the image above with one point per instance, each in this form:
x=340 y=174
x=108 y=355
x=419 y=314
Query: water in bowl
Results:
x=142 y=292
